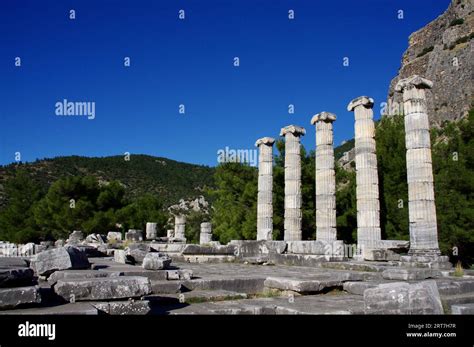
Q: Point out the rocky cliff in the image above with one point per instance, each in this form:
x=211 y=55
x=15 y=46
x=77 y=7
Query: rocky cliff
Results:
x=442 y=52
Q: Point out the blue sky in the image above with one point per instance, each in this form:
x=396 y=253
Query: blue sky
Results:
x=190 y=62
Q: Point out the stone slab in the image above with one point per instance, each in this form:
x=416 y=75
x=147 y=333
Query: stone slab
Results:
x=13 y=297
x=358 y=266
x=459 y=299
x=16 y=277
x=394 y=244
x=107 y=288
x=192 y=249
x=249 y=285
x=358 y=288
x=302 y=286
x=341 y=304
x=403 y=298
x=431 y=262
x=120 y=308
x=81 y=274
x=308 y=260
x=463 y=309
x=166 y=287
x=258 y=260
x=209 y=258
x=313 y=247
x=380 y=255
x=168 y=247
x=15 y=262
x=79 y=308
x=251 y=248
x=197 y=296
x=455 y=287
x=410 y=274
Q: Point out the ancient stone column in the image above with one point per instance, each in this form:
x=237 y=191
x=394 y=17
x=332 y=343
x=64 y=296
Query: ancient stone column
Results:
x=206 y=233
x=179 y=226
x=421 y=202
x=367 y=193
x=293 y=214
x=151 y=231
x=325 y=177
x=265 y=188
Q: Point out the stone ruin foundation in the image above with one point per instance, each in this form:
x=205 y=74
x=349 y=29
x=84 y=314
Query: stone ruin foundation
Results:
x=142 y=273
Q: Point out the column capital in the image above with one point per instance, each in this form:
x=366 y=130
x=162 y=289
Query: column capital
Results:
x=413 y=81
x=265 y=141
x=323 y=116
x=360 y=101
x=294 y=129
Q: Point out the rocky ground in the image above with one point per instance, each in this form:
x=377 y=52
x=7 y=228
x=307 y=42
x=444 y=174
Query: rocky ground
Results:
x=100 y=285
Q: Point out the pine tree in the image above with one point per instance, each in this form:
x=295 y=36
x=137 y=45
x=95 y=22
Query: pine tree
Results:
x=16 y=220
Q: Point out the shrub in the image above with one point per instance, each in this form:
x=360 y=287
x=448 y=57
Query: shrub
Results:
x=425 y=50
x=457 y=21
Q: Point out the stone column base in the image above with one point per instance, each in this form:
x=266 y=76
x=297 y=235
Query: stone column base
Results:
x=426 y=260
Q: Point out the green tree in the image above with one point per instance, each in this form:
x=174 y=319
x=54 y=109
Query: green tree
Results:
x=234 y=214
x=193 y=225
x=16 y=220
x=147 y=208
x=78 y=203
x=279 y=191
x=346 y=210
x=453 y=167
x=391 y=160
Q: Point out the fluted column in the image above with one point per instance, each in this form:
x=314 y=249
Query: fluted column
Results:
x=206 y=233
x=421 y=202
x=179 y=226
x=367 y=193
x=325 y=177
x=265 y=189
x=293 y=214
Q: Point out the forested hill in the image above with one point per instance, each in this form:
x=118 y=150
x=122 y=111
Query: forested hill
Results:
x=169 y=179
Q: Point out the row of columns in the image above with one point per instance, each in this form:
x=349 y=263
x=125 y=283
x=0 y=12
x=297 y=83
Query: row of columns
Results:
x=422 y=210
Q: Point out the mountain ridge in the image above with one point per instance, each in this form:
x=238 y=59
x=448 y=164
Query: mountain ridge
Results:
x=169 y=179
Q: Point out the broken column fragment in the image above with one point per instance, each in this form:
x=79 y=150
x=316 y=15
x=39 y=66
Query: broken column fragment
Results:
x=205 y=235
